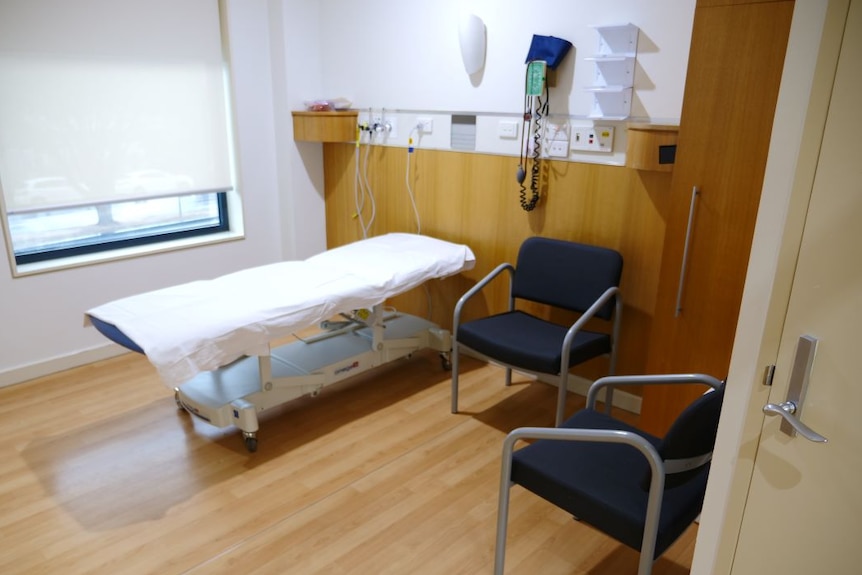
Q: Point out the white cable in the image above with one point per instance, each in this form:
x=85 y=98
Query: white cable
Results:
x=359 y=194
x=407 y=179
x=410 y=150
x=368 y=191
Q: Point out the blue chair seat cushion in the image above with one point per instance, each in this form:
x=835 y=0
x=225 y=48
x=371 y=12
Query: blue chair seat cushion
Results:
x=505 y=337
x=599 y=483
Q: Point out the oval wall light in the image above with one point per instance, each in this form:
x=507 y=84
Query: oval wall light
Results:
x=471 y=33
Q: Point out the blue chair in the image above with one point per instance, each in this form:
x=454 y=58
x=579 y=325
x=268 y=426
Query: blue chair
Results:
x=642 y=490
x=571 y=276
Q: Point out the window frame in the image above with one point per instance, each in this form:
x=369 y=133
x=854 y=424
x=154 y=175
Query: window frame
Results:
x=96 y=247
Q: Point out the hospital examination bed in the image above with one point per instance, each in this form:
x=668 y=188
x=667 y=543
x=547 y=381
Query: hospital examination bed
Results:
x=212 y=341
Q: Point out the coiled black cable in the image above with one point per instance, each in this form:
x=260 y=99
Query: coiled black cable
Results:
x=536 y=169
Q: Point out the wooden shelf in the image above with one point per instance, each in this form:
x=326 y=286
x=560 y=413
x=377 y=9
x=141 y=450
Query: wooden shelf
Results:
x=645 y=141
x=338 y=126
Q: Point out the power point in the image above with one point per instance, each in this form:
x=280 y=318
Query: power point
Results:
x=507 y=129
x=558 y=149
x=425 y=125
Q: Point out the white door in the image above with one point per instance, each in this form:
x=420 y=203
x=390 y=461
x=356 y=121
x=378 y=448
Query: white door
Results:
x=803 y=514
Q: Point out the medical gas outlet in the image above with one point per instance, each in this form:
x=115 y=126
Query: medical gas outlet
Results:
x=595 y=139
x=385 y=125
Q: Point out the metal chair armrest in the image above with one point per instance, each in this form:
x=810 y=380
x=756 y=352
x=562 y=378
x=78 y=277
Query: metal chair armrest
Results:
x=611 y=292
x=585 y=317
x=671 y=378
x=589 y=435
x=656 y=488
x=476 y=289
x=582 y=320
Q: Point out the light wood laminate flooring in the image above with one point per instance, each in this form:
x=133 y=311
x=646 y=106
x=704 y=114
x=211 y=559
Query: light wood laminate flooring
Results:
x=100 y=473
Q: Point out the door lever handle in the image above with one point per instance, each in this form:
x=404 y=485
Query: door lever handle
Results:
x=787 y=411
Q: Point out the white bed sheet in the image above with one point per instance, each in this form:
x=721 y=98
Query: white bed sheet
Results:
x=203 y=325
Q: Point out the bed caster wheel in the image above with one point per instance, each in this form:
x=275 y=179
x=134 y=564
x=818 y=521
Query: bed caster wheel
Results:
x=250 y=440
x=445 y=362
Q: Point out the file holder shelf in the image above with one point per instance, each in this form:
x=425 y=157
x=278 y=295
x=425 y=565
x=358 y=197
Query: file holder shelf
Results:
x=614 y=62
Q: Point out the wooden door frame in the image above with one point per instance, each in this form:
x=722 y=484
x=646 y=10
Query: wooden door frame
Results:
x=800 y=118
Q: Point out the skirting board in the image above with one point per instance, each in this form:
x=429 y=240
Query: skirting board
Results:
x=622 y=399
x=580 y=385
x=58 y=364
x=576 y=384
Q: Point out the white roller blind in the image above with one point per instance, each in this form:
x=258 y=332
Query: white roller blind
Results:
x=104 y=100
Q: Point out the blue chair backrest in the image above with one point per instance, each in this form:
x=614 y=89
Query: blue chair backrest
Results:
x=692 y=434
x=566 y=274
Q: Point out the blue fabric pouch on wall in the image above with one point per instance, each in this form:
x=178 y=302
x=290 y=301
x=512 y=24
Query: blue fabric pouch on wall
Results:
x=548 y=48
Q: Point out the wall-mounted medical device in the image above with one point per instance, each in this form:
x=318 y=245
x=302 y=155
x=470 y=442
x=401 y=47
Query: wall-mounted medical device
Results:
x=546 y=52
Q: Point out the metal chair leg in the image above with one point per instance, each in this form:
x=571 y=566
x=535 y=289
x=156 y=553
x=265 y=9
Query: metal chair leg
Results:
x=455 y=366
x=503 y=507
x=609 y=399
x=561 y=399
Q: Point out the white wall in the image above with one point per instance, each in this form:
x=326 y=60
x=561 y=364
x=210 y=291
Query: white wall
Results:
x=398 y=58
x=380 y=53
x=296 y=70
x=405 y=55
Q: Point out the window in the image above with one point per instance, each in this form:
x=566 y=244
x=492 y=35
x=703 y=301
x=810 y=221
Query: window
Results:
x=114 y=125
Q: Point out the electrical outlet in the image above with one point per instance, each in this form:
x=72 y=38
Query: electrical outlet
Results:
x=558 y=149
x=426 y=125
x=556 y=141
x=507 y=129
x=595 y=139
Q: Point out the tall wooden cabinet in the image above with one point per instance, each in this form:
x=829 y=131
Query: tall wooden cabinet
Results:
x=734 y=71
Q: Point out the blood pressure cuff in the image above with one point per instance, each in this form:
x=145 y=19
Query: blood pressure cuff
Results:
x=548 y=48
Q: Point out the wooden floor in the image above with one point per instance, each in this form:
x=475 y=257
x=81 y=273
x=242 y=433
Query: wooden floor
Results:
x=100 y=473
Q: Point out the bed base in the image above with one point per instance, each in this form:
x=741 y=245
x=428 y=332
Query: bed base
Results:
x=233 y=395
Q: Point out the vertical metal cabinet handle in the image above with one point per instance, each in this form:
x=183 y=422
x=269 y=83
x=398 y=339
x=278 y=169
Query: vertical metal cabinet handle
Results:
x=787 y=410
x=694 y=193
x=800 y=373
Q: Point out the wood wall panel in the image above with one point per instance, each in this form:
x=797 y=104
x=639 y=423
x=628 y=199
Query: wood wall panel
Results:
x=474 y=199
x=734 y=73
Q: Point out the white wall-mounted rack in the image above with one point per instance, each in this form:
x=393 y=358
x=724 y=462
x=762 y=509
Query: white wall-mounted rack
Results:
x=614 y=61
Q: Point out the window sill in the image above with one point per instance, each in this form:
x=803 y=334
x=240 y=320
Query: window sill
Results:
x=122 y=254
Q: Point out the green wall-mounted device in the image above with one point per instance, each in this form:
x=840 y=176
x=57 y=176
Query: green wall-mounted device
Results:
x=536 y=77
